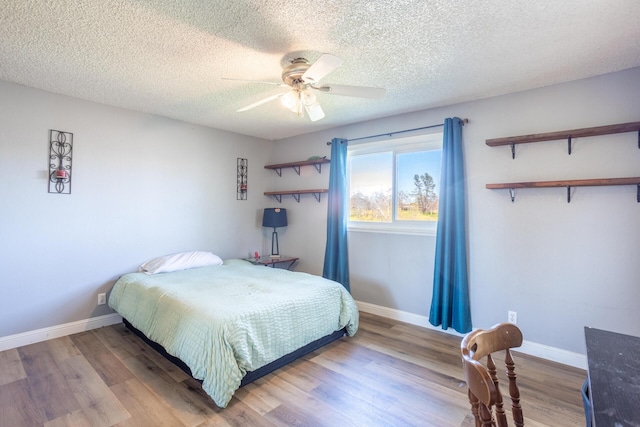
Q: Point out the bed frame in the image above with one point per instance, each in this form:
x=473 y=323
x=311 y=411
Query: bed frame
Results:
x=251 y=375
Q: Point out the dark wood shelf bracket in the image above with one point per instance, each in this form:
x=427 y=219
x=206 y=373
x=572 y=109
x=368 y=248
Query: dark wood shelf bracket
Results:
x=512 y=194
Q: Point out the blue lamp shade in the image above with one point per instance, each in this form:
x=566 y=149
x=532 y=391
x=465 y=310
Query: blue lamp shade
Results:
x=274 y=217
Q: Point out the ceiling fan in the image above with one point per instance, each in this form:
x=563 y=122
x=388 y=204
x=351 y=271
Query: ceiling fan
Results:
x=302 y=79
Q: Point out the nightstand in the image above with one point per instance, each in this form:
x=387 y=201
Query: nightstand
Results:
x=268 y=261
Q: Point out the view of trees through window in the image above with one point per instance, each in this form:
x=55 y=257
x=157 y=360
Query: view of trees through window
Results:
x=390 y=187
x=421 y=204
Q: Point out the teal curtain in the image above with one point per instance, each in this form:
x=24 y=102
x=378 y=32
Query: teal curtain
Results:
x=336 y=259
x=450 y=301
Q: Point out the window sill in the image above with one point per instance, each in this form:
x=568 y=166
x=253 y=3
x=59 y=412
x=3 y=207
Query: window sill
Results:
x=393 y=229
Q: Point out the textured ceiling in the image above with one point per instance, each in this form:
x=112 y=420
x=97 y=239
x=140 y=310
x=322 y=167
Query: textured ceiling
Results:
x=168 y=57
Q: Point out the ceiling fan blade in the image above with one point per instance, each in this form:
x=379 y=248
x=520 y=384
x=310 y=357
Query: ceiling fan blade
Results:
x=262 y=101
x=315 y=112
x=323 y=66
x=255 y=81
x=357 y=91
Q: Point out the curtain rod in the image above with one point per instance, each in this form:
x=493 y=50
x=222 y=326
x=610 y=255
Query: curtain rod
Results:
x=464 y=121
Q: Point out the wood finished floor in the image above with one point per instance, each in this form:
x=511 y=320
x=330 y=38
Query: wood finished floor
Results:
x=389 y=374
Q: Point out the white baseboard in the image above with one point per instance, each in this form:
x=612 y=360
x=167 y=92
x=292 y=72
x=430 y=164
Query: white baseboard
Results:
x=531 y=348
x=554 y=354
x=31 y=337
x=402 y=316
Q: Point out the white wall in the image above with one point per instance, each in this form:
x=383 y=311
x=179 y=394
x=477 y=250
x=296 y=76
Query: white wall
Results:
x=142 y=186
x=560 y=266
x=145 y=185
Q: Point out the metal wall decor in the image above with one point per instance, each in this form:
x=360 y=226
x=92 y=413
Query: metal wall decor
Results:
x=243 y=168
x=60 y=155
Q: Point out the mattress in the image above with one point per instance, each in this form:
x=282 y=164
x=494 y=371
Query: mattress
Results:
x=225 y=320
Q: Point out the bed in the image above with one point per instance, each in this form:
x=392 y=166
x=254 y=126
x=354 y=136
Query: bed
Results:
x=232 y=321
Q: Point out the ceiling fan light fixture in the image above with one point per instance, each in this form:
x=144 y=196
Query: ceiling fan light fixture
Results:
x=298 y=107
x=302 y=78
x=308 y=98
x=294 y=102
x=290 y=100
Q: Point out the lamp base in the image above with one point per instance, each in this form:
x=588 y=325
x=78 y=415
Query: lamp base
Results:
x=275 y=250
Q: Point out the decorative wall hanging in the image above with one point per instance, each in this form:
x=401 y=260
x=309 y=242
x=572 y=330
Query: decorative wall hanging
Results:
x=60 y=154
x=243 y=168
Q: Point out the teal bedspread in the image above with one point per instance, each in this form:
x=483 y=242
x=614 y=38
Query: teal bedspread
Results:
x=225 y=320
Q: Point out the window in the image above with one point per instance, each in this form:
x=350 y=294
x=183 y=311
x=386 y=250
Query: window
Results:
x=394 y=184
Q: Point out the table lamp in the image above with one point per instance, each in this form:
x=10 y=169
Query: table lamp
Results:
x=274 y=217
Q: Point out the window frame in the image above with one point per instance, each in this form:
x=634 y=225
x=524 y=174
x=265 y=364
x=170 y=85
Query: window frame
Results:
x=399 y=145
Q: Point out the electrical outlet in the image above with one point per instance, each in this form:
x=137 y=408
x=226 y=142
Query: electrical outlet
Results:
x=512 y=317
x=102 y=299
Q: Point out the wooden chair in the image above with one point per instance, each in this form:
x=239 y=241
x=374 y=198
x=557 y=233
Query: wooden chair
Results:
x=484 y=390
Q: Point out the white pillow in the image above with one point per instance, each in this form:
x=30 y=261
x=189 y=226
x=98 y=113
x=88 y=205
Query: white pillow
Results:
x=179 y=261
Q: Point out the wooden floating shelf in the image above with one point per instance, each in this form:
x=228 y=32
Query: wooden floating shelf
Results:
x=295 y=193
x=564 y=134
x=296 y=165
x=566 y=183
x=317 y=163
x=568 y=134
x=574 y=133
